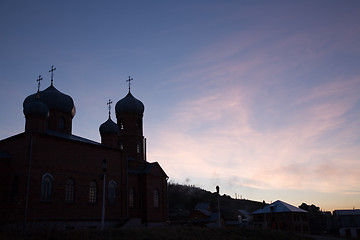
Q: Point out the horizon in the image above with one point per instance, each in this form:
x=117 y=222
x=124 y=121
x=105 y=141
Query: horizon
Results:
x=260 y=98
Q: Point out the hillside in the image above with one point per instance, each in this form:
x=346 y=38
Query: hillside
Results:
x=183 y=199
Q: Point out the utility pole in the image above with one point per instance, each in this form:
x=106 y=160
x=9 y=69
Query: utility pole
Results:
x=218 y=195
x=104 y=168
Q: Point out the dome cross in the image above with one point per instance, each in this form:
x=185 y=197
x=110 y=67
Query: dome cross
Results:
x=129 y=81
x=38 y=80
x=52 y=74
x=109 y=105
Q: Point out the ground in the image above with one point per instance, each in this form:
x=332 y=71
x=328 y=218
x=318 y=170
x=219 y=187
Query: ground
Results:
x=165 y=233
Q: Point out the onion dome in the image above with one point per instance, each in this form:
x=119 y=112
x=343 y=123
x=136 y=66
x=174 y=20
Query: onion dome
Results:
x=129 y=104
x=109 y=127
x=37 y=108
x=54 y=100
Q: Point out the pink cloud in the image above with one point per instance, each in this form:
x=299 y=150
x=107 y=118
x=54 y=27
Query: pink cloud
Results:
x=214 y=131
x=310 y=147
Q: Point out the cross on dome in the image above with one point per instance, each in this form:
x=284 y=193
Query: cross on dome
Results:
x=52 y=74
x=129 y=81
x=38 y=80
x=109 y=104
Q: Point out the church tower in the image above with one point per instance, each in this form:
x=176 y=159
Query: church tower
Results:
x=129 y=114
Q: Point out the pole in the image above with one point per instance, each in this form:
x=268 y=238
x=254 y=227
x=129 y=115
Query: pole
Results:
x=28 y=184
x=103 y=204
x=219 y=210
x=265 y=222
x=218 y=193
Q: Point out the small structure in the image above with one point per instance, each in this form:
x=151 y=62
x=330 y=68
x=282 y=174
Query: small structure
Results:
x=347 y=222
x=282 y=216
x=244 y=217
x=202 y=216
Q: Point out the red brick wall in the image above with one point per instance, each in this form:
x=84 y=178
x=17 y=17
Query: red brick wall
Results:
x=64 y=159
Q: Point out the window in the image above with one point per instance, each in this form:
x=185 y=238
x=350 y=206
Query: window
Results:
x=61 y=123
x=121 y=124
x=15 y=189
x=138 y=123
x=69 y=190
x=92 y=192
x=139 y=147
x=156 y=198
x=112 y=192
x=132 y=197
x=46 y=187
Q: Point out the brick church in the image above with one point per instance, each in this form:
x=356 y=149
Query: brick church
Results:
x=52 y=178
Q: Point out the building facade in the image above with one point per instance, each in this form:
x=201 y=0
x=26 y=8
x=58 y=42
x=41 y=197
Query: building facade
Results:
x=347 y=222
x=282 y=216
x=50 y=177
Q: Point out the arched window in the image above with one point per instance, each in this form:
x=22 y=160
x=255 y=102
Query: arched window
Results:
x=69 y=191
x=92 y=192
x=121 y=124
x=46 y=187
x=61 y=123
x=132 y=197
x=112 y=192
x=156 y=199
x=138 y=123
x=15 y=189
x=139 y=147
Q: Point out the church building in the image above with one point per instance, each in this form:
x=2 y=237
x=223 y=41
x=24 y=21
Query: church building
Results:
x=52 y=178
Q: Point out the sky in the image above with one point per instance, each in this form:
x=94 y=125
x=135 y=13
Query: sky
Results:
x=261 y=98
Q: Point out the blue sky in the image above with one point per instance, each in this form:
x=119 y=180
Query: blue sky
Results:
x=258 y=97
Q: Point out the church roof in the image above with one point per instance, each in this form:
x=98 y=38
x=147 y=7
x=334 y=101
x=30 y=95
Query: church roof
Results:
x=54 y=100
x=146 y=169
x=279 y=206
x=70 y=137
x=129 y=104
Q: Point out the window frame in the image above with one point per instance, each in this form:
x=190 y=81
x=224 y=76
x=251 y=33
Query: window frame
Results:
x=46 y=187
x=112 y=186
x=132 y=198
x=156 y=198
x=93 y=192
x=70 y=190
x=61 y=123
x=15 y=189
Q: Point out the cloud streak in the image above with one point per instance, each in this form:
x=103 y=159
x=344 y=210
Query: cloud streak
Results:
x=258 y=125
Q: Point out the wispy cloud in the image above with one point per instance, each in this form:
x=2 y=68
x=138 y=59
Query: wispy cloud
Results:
x=261 y=124
x=215 y=132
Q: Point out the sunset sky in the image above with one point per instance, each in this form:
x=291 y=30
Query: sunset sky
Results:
x=259 y=97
